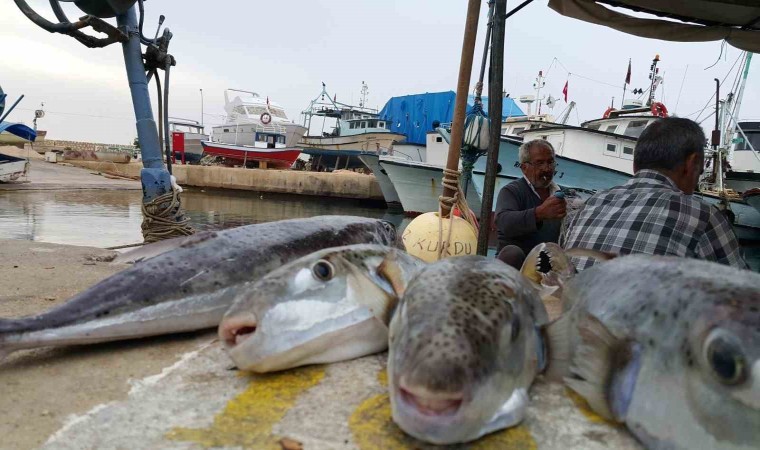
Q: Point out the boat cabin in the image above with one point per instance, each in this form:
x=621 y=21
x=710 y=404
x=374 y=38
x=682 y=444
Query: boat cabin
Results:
x=513 y=126
x=364 y=125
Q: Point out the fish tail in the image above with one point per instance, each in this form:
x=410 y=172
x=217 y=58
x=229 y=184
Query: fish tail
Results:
x=7 y=328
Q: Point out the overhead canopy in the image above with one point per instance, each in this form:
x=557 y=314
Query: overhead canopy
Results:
x=736 y=21
x=19 y=129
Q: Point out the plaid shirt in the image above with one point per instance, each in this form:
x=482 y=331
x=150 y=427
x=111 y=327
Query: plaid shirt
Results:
x=650 y=214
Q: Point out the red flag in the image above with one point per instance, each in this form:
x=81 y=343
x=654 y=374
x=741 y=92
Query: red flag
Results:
x=267 y=102
x=564 y=90
x=628 y=75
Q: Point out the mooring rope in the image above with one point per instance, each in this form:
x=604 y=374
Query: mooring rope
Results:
x=163 y=218
x=457 y=201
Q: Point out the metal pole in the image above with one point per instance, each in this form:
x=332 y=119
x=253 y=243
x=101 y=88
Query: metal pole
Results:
x=495 y=86
x=155 y=178
x=460 y=102
x=202 y=108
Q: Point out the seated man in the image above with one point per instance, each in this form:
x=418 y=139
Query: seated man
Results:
x=654 y=212
x=527 y=212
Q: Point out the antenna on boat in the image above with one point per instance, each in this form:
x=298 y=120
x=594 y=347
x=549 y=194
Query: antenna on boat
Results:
x=653 y=76
x=365 y=91
x=540 y=83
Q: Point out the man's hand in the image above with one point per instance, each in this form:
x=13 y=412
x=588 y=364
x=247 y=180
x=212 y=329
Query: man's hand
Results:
x=552 y=208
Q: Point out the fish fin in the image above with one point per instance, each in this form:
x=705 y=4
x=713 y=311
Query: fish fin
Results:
x=390 y=271
x=557 y=338
x=545 y=291
x=510 y=414
x=588 y=253
x=593 y=365
x=381 y=302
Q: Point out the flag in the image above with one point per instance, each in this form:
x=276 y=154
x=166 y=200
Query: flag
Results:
x=628 y=75
x=267 y=102
x=564 y=90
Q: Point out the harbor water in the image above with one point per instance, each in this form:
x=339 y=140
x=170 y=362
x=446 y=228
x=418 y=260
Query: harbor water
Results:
x=106 y=218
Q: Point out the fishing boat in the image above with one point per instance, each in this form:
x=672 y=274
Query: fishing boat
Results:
x=357 y=129
x=744 y=171
x=186 y=138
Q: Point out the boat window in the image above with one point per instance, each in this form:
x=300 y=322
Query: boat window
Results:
x=754 y=139
x=628 y=150
x=226 y=130
x=611 y=128
x=518 y=130
x=372 y=123
x=635 y=128
x=381 y=124
x=281 y=139
x=438 y=139
x=352 y=125
x=593 y=126
x=363 y=125
x=612 y=148
x=256 y=110
x=239 y=109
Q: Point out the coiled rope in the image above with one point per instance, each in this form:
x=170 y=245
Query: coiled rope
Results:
x=459 y=202
x=163 y=218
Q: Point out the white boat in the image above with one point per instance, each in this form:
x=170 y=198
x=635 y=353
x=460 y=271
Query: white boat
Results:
x=247 y=111
x=12 y=168
x=357 y=129
x=417 y=183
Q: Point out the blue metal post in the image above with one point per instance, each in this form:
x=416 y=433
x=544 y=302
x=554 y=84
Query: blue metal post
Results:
x=155 y=178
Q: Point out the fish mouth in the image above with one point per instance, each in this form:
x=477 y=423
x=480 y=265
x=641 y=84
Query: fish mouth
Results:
x=429 y=403
x=235 y=330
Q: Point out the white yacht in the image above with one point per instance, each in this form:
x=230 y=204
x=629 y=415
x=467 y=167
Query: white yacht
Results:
x=247 y=112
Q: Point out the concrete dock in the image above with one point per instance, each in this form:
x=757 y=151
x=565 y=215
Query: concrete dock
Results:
x=181 y=392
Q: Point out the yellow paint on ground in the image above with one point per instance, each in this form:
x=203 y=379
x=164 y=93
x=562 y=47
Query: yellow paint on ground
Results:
x=247 y=420
x=373 y=428
x=382 y=377
x=586 y=410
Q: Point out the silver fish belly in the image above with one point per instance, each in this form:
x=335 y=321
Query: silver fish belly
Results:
x=464 y=349
x=188 y=288
x=331 y=305
x=668 y=346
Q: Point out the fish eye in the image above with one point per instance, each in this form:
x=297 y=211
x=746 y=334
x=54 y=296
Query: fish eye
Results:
x=725 y=358
x=323 y=270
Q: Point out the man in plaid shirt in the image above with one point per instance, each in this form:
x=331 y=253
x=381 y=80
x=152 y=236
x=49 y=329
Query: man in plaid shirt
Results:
x=654 y=212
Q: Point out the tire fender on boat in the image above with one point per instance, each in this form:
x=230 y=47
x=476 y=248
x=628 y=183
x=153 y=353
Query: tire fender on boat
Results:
x=265 y=118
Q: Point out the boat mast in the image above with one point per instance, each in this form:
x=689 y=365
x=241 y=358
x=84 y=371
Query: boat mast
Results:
x=653 y=76
x=540 y=83
x=365 y=91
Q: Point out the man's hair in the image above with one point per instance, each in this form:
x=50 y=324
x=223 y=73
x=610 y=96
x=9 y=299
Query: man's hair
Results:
x=524 y=153
x=666 y=143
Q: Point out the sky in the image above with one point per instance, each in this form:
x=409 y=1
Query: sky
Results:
x=285 y=50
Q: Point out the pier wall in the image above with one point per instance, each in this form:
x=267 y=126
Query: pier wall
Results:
x=321 y=184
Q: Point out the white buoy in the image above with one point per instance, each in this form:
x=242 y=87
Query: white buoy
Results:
x=421 y=237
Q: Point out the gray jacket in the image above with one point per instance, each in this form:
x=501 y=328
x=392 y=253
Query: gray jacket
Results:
x=516 y=218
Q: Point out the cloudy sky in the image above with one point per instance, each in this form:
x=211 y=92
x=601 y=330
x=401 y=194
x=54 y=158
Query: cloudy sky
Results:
x=286 y=49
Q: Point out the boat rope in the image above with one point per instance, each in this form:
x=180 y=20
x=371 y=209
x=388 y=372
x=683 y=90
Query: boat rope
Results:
x=163 y=218
x=456 y=202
